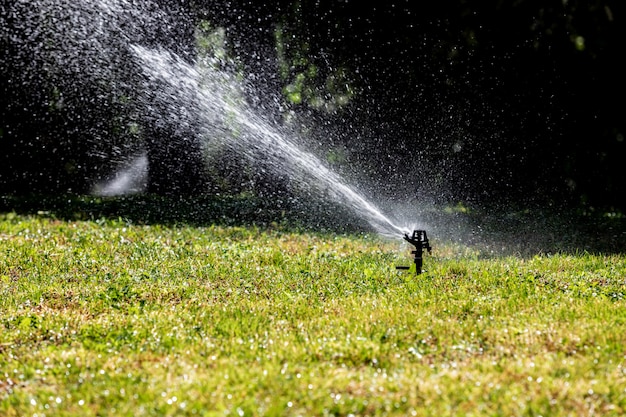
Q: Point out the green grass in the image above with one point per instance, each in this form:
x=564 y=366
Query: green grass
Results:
x=104 y=317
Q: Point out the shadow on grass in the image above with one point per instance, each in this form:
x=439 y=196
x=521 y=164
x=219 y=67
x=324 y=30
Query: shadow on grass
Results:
x=492 y=233
x=507 y=231
x=197 y=211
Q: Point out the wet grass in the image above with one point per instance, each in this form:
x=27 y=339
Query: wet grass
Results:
x=107 y=317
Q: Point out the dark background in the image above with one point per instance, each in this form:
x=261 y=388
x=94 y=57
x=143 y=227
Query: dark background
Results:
x=481 y=102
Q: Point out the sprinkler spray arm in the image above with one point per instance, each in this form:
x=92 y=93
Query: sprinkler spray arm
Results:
x=420 y=241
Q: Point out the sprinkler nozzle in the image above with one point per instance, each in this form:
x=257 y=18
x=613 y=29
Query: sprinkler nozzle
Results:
x=420 y=241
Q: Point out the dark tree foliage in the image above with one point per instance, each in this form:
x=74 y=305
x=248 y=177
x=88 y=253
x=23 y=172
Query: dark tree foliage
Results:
x=490 y=101
x=496 y=101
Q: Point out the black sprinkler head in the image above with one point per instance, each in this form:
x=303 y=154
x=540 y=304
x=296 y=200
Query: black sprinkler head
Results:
x=420 y=241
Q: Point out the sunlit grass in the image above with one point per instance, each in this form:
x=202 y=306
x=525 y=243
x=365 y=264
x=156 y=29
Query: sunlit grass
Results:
x=109 y=318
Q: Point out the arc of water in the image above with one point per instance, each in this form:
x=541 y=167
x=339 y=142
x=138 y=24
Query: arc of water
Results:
x=214 y=98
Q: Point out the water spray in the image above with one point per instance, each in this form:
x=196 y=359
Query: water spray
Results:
x=420 y=241
x=100 y=36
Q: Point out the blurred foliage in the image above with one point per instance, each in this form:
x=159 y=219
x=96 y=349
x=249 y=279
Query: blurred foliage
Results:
x=308 y=79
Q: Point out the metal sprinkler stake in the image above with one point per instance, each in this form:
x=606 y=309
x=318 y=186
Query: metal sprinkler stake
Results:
x=420 y=241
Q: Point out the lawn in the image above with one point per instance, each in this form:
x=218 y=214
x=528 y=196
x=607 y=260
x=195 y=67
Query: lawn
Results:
x=107 y=316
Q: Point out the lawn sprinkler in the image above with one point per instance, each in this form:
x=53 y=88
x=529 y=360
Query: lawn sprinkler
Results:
x=420 y=241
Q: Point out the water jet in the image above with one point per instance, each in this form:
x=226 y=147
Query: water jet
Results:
x=116 y=52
